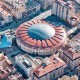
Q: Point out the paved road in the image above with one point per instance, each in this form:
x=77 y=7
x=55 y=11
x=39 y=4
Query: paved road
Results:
x=43 y=15
x=71 y=30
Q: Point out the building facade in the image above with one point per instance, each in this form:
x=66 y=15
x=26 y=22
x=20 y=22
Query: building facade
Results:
x=50 y=69
x=20 y=9
x=65 y=11
x=26 y=64
x=16 y=76
x=45 y=3
x=6 y=67
x=71 y=52
x=6 y=17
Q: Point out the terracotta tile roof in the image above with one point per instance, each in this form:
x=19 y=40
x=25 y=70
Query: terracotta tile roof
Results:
x=44 y=44
x=49 y=43
x=54 y=63
x=38 y=43
x=54 y=42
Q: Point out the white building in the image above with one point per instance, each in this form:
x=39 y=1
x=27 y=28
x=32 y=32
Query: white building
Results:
x=26 y=64
x=32 y=8
x=7 y=17
x=64 y=10
x=21 y=8
x=45 y=3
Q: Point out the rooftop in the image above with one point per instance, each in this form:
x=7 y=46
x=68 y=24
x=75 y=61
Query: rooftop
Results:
x=6 y=67
x=68 y=4
x=4 y=12
x=16 y=76
x=50 y=64
x=33 y=3
x=4 y=39
x=41 y=31
x=36 y=35
x=73 y=47
x=65 y=77
x=26 y=61
x=1 y=18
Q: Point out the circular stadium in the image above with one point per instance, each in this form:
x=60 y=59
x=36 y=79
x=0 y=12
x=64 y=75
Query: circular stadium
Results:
x=39 y=37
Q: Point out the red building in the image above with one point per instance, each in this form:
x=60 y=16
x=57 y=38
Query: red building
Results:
x=52 y=68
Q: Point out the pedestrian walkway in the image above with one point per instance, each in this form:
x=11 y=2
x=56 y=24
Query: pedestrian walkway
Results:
x=43 y=15
x=71 y=31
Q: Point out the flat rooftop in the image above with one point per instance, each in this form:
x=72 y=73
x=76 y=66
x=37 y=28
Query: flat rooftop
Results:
x=27 y=58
